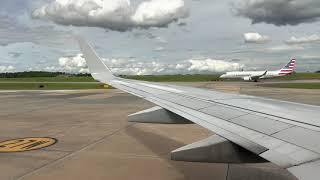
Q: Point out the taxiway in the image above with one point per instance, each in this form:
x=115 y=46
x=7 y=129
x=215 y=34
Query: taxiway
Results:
x=95 y=141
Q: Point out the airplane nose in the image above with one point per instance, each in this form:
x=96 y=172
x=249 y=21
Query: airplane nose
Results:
x=222 y=76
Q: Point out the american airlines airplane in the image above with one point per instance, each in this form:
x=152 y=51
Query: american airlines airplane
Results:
x=247 y=129
x=256 y=75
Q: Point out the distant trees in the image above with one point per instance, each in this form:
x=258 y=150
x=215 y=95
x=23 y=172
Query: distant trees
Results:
x=27 y=74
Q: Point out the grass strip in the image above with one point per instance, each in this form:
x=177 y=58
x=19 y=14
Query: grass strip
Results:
x=51 y=86
x=293 y=85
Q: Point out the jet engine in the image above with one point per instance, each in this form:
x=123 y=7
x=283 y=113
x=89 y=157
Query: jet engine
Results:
x=248 y=78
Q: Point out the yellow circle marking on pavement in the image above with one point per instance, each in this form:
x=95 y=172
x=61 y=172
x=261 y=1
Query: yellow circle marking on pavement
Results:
x=26 y=144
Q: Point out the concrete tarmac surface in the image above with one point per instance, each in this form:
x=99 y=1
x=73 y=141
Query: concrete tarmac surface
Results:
x=95 y=141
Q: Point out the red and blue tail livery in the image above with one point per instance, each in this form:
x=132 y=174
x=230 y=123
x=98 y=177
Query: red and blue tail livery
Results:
x=289 y=68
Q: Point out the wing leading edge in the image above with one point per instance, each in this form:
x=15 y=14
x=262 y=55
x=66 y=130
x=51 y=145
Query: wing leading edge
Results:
x=265 y=128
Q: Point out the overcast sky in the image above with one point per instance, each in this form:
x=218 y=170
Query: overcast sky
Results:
x=160 y=36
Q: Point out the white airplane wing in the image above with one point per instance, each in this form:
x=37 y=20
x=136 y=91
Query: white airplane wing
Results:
x=285 y=133
x=259 y=76
x=256 y=77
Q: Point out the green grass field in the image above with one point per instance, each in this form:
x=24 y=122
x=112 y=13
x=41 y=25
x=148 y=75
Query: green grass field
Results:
x=155 y=78
x=70 y=82
x=300 y=76
x=176 y=78
x=50 y=86
x=293 y=85
x=213 y=77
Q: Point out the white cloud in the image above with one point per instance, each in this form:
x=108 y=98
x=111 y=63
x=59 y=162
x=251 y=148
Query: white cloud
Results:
x=84 y=70
x=285 y=48
x=48 y=68
x=211 y=65
x=161 y=40
x=9 y=68
x=135 y=67
x=160 y=48
x=159 y=13
x=310 y=57
x=72 y=63
x=303 y=40
x=256 y=38
x=119 y=15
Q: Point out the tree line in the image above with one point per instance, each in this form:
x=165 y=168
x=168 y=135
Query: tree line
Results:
x=28 y=74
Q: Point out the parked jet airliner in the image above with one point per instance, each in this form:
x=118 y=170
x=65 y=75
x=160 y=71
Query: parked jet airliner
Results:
x=247 y=128
x=256 y=75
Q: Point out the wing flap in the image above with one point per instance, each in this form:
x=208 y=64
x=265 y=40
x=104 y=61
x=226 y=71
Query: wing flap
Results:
x=307 y=171
x=295 y=113
x=262 y=124
x=303 y=137
x=223 y=112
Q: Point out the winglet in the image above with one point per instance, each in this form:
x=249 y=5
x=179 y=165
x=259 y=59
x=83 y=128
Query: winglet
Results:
x=264 y=73
x=97 y=68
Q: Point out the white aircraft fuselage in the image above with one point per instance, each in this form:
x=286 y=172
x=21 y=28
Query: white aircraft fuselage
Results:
x=243 y=74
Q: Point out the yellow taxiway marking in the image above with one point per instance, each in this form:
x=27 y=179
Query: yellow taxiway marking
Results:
x=26 y=144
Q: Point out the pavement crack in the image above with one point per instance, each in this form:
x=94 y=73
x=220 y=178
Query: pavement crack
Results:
x=74 y=152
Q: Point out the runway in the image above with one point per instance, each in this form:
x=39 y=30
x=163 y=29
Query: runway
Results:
x=95 y=141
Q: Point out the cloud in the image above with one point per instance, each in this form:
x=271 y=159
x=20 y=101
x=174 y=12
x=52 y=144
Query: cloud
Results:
x=211 y=65
x=161 y=40
x=13 y=32
x=282 y=48
x=72 y=63
x=310 y=57
x=4 y=69
x=303 y=40
x=191 y=66
x=15 y=54
x=279 y=12
x=159 y=13
x=118 y=15
x=160 y=48
x=134 y=67
x=48 y=68
x=256 y=38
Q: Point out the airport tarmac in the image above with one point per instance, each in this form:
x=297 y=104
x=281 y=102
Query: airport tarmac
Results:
x=95 y=141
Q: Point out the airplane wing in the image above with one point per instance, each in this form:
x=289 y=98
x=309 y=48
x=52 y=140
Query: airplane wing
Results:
x=285 y=133
x=255 y=78
x=262 y=74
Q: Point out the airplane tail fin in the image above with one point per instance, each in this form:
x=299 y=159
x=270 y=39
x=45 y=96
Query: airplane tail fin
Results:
x=97 y=68
x=289 y=68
